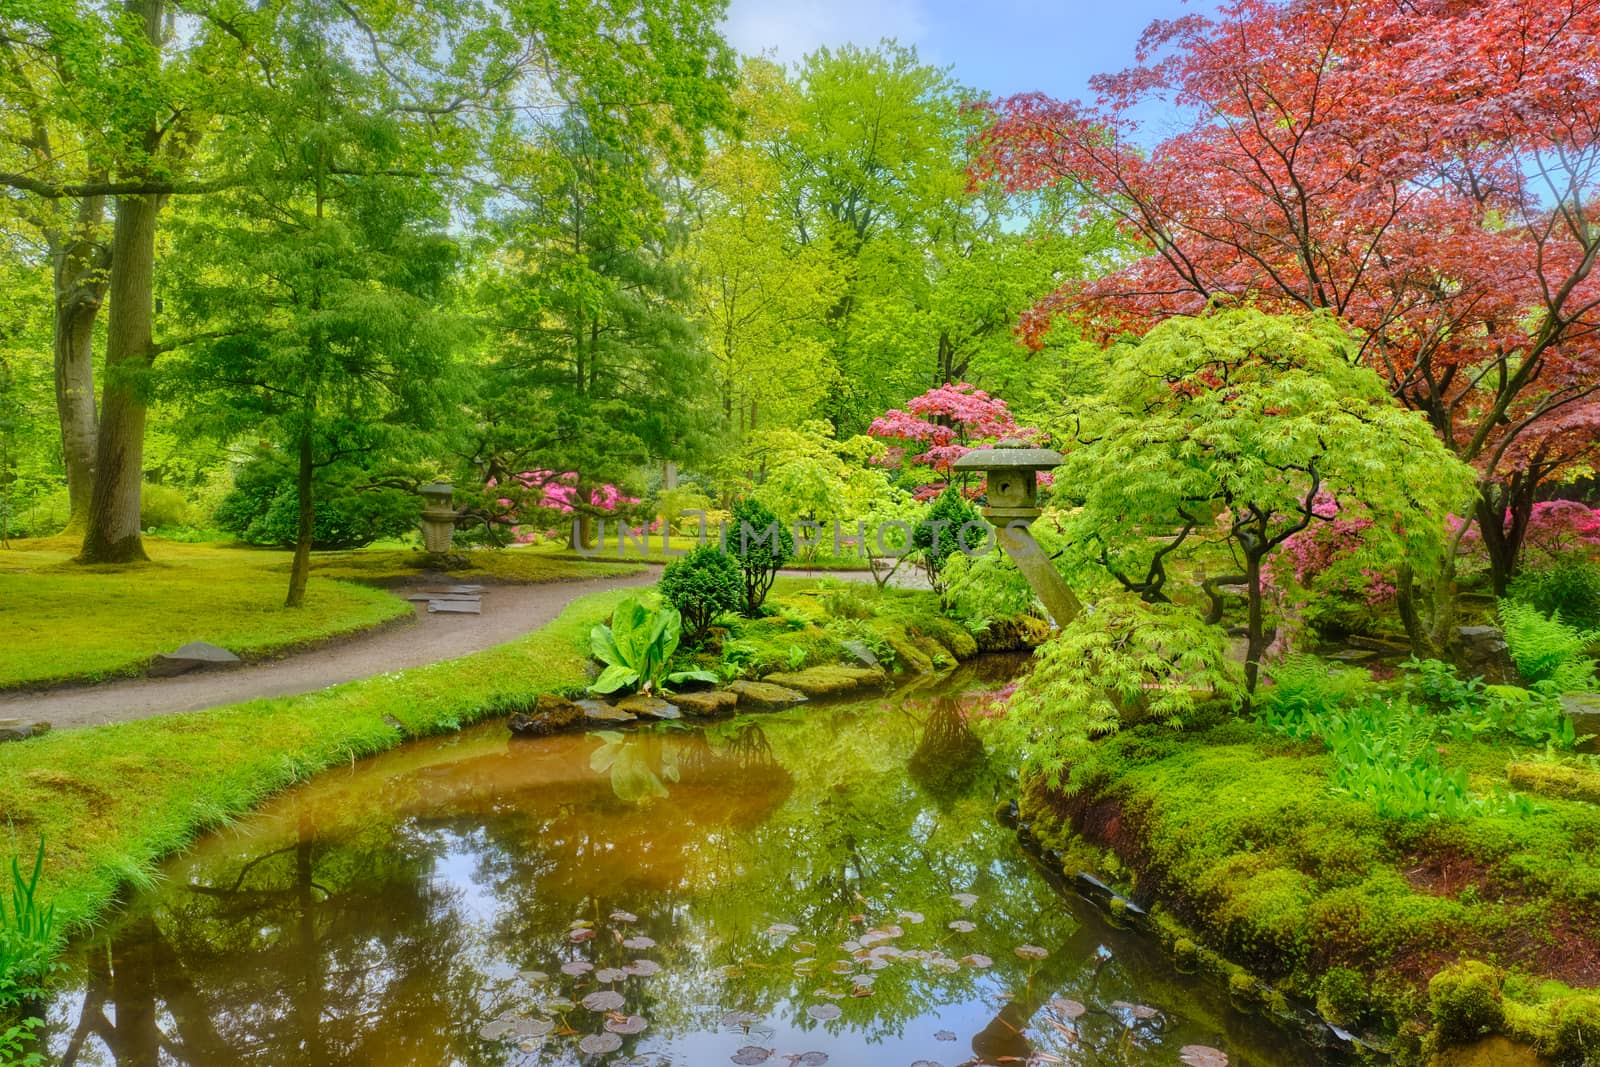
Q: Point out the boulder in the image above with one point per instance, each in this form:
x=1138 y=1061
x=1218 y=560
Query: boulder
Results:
x=551 y=714
x=1584 y=711
x=21 y=730
x=600 y=711
x=765 y=695
x=826 y=681
x=648 y=707
x=1481 y=651
x=706 y=704
x=862 y=654
x=196 y=655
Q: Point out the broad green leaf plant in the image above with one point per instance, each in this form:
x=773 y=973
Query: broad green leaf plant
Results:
x=637 y=650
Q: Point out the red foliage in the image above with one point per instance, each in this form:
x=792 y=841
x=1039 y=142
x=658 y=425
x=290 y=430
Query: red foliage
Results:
x=1425 y=170
x=946 y=423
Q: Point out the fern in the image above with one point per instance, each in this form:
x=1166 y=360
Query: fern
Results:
x=1547 y=650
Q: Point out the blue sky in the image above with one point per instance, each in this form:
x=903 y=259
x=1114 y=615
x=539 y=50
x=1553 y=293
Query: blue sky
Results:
x=1000 y=46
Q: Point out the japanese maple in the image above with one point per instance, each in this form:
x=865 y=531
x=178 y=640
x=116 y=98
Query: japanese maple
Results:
x=942 y=425
x=1426 y=170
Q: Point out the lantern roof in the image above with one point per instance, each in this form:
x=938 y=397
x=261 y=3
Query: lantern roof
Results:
x=1010 y=454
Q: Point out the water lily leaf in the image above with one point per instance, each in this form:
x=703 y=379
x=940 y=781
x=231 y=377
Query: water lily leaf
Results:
x=1068 y=1009
x=643 y=968
x=604 y=1000
x=813 y=1059
x=978 y=961
x=496 y=1029
x=963 y=926
x=804 y=948
x=752 y=1054
x=740 y=1019
x=782 y=930
x=927 y=1063
x=804 y=966
x=620 y=916
x=533 y=976
x=944 y=1035
x=599 y=1044
x=1138 y=1011
x=824 y=1012
x=912 y=917
x=578 y=937
x=627 y=1024
x=1202 y=1056
x=841 y=966
x=557 y=1004
x=577 y=967
x=533 y=1028
x=1031 y=952
x=607 y=975
x=638 y=944
x=966 y=900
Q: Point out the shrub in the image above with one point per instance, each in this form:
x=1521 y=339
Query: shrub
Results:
x=760 y=545
x=1569 y=586
x=702 y=585
x=263 y=509
x=162 y=505
x=937 y=536
x=1465 y=1002
x=1121 y=662
x=1546 y=649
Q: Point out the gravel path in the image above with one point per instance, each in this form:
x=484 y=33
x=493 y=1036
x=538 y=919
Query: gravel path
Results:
x=508 y=612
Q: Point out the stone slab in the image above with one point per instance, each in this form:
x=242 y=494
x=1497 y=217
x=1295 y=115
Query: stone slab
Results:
x=192 y=656
x=706 y=703
x=454 y=607
x=648 y=707
x=765 y=695
x=600 y=711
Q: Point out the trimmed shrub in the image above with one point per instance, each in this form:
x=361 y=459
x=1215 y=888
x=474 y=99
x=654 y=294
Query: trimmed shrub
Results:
x=702 y=585
x=760 y=545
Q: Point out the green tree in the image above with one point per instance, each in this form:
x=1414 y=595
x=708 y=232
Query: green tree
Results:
x=1242 y=429
x=760 y=545
x=702 y=585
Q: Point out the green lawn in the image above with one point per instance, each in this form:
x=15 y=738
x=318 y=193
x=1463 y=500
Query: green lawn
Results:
x=680 y=544
x=66 y=622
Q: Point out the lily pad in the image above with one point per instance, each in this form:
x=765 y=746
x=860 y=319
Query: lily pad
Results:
x=782 y=930
x=824 y=1013
x=638 y=944
x=599 y=1044
x=496 y=1029
x=578 y=937
x=610 y=974
x=927 y=1063
x=577 y=967
x=557 y=1004
x=966 y=900
x=643 y=968
x=627 y=1024
x=912 y=917
x=804 y=948
x=1142 y=1012
x=533 y=976
x=813 y=1059
x=841 y=966
x=533 y=1028
x=944 y=1035
x=963 y=926
x=740 y=1019
x=752 y=1054
x=620 y=916
x=1068 y=1009
x=604 y=1000
x=1031 y=952
x=978 y=961
x=1202 y=1056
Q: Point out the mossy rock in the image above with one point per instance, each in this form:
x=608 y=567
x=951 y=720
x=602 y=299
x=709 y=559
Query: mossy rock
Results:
x=827 y=681
x=1556 y=780
x=1577 y=1024
x=1465 y=1002
x=706 y=703
x=1494 y=1051
x=765 y=695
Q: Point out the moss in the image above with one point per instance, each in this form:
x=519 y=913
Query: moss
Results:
x=1577 y=1029
x=1556 y=780
x=1342 y=996
x=1465 y=1002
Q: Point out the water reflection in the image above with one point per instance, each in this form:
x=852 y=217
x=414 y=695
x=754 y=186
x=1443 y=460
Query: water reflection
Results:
x=816 y=886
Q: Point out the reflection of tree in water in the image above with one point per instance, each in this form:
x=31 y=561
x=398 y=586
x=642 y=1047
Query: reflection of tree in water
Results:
x=949 y=758
x=306 y=953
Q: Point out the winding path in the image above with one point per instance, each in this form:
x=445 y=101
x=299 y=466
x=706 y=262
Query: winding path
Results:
x=508 y=612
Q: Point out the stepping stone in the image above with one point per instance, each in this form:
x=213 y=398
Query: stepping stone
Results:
x=600 y=711
x=765 y=695
x=454 y=607
x=825 y=681
x=193 y=656
x=456 y=590
x=707 y=703
x=21 y=730
x=648 y=707
x=470 y=597
x=861 y=652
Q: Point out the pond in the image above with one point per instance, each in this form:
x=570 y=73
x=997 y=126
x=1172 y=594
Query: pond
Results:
x=826 y=885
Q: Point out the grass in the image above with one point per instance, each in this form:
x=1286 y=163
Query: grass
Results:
x=67 y=622
x=681 y=544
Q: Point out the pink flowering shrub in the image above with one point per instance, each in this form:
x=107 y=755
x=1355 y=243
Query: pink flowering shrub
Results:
x=942 y=425
x=1321 y=560
x=531 y=492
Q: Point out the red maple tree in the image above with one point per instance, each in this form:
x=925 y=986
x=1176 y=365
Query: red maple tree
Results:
x=1427 y=170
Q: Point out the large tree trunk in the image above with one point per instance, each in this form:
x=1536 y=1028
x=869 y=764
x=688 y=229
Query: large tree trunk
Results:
x=307 y=513
x=112 y=535
x=80 y=283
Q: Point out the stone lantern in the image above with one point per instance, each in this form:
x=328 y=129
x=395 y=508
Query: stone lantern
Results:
x=1011 y=480
x=438 y=516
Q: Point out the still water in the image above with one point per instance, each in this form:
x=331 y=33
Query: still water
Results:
x=826 y=885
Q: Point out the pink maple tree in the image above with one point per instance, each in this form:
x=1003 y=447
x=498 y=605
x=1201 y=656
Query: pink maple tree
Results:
x=532 y=492
x=942 y=425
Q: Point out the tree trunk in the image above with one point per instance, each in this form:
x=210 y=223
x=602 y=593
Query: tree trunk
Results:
x=112 y=535
x=1257 y=639
x=80 y=283
x=307 y=517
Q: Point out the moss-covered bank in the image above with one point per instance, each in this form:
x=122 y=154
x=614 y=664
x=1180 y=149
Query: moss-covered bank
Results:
x=1418 y=936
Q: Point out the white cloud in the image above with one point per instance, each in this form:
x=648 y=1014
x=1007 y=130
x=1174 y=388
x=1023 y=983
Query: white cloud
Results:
x=795 y=28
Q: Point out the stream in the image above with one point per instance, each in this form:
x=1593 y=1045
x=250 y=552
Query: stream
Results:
x=824 y=885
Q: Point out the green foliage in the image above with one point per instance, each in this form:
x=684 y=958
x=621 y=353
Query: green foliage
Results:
x=1568 y=586
x=937 y=535
x=261 y=508
x=163 y=505
x=702 y=585
x=28 y=940
x=637 y=650
x=1547 y=651
x=760 y=545
x=1119 y=663
x=1465 y=1002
